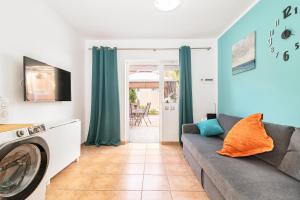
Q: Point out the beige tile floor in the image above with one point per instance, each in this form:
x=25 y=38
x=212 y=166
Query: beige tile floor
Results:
x=128 y=172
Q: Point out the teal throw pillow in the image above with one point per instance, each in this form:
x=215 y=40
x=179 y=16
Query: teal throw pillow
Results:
x=210 y=127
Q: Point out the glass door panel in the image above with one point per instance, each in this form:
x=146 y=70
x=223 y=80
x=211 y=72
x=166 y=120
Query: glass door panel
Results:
x=170 y=102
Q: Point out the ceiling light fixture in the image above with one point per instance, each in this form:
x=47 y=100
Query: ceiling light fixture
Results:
x=167 y=5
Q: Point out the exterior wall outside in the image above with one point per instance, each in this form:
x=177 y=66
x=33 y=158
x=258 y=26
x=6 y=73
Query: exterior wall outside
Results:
x=149 y=95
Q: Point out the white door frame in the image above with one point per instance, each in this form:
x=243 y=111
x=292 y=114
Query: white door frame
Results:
x=160 y=64
x=128 y=63
x=161 y=99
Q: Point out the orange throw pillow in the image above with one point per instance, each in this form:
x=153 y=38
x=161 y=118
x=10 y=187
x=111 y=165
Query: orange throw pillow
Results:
x=247 y=137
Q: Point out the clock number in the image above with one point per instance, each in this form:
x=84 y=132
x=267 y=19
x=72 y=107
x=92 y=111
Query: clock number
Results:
x=296 y=10
x=277 y=23
x=272 y=50
x=286 y=56
x=287 y=12
x=277 y=54
x=272 y=32
x=297 y=45
x=270 y=41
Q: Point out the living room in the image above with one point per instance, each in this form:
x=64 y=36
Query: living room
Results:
x=226 y=118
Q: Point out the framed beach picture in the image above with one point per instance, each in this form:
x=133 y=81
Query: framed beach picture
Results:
x=243 y=54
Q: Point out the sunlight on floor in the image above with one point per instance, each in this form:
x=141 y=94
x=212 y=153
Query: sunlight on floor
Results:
x=128 y=172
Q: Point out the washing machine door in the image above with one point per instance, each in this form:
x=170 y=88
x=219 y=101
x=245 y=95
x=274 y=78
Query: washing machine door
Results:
x=23 y=165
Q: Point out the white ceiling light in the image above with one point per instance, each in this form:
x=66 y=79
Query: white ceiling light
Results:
x=166 y=5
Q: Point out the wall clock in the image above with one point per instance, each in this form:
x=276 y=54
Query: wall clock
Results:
x=283 y=31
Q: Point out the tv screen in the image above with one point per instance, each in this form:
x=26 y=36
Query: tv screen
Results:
x=44 y=83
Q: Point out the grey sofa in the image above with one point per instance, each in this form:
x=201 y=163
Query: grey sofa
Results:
x=269 y=176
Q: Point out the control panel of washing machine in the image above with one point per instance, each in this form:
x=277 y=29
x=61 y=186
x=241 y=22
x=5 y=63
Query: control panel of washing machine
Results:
x=21 y=133
x=31 y=130
x=36 y=129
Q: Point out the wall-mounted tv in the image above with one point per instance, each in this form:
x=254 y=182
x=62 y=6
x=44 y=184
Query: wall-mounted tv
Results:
x=44 y=83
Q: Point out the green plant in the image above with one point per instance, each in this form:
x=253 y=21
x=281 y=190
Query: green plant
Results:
x=132 y=95
x=175 y=75
x=141 y=107
x=153 y=111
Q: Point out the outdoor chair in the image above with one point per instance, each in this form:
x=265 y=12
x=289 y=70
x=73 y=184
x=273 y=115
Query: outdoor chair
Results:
x=144 y=115
x=132 y=117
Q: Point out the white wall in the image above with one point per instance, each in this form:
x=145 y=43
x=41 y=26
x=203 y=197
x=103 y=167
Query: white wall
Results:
x=204 y=65
x=30 y=28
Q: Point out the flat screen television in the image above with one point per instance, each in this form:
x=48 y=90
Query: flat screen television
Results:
x=44 y=83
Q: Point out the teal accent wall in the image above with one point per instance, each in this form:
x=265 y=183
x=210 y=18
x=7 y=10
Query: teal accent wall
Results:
x=273 y=88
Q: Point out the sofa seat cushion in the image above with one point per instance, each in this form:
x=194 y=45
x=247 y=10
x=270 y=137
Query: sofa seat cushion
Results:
x=200 y=145
x=240 y=178
x=250 y=178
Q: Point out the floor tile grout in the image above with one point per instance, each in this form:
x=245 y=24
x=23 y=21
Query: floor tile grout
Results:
x=140 y=165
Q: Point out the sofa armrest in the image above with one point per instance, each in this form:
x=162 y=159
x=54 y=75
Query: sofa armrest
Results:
x=190 y=128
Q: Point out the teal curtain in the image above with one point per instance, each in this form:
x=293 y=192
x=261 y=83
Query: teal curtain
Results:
x=105 y=109
x=185 y=99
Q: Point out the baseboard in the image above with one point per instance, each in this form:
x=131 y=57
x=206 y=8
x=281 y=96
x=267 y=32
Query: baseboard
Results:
x=169 y=143
x=163 y=143
x=123 y=142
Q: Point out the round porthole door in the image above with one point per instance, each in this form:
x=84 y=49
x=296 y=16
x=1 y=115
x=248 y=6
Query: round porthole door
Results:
x=22 y=166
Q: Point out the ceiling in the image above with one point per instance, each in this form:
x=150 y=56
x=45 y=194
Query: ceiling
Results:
x=132 y=19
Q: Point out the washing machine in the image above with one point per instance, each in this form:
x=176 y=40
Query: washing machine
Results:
x=24 y=158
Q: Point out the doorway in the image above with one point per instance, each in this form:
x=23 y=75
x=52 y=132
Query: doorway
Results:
x=144 y=98
x=152 y=94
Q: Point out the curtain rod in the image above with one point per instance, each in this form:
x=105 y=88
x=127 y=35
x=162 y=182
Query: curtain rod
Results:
x=159 y=49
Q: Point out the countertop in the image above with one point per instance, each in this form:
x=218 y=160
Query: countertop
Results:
x=11 y=127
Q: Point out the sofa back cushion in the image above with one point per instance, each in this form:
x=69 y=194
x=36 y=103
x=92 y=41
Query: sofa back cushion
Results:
x=281 y=136
x=227 y=122
x=291 y=161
